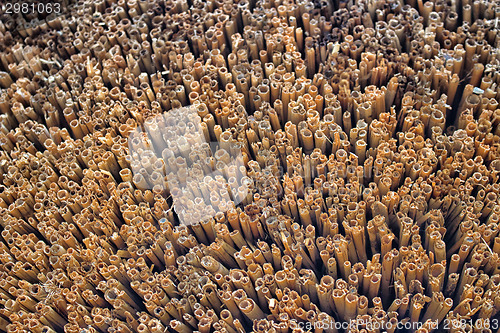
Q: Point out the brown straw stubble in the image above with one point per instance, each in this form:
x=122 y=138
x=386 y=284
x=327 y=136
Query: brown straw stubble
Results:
x=367 y=188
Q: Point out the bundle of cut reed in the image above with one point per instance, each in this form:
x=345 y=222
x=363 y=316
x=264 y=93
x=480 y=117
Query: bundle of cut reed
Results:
x=250 y=165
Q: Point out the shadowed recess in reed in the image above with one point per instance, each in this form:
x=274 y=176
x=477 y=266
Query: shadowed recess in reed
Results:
x=250 y=165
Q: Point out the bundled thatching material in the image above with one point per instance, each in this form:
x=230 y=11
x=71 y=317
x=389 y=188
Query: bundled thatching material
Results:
x=337 y=168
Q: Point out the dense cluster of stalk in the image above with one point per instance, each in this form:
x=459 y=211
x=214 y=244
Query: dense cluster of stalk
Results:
x=366 y=189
